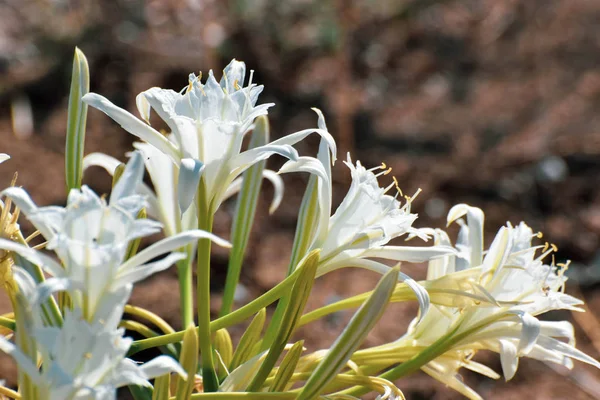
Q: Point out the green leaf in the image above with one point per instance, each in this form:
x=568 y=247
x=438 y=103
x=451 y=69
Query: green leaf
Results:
x=80 y=85
x=287 y=367
x=189 y=362
x=243 y=352
x=244 y=215
x=351 y=338
x=293 y=311
x=140 y=392
x=162 y=385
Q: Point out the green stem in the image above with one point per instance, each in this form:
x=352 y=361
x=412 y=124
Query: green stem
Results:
x=205 y=222
x=186 y=288
x=233 y=318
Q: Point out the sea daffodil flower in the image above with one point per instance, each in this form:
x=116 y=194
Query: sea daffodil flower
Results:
x=363 y=224
x=90 y=237
x=80 y=359
x=208 y=124
x=520 y=287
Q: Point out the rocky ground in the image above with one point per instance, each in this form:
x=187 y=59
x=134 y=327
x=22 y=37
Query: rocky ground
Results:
x=490 y=102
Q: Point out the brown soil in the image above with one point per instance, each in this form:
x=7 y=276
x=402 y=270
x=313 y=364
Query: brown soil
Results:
x=490 y=102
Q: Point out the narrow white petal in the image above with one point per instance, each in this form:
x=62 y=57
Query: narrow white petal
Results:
x=4 y=157
x=23 y=201
x=475 y=219
x=244 y=160
x=530 y=331
x=190 y=171
x=273 y=177
x=508 y=359
x=162 y=365
x=129 y=180
x=105 y=161
x=36 y=257
x=133 y=275
x=566 y=350
x=132 y=125
x=409 y=253
x=25 y=364
x=420 y=293
x=170 y=244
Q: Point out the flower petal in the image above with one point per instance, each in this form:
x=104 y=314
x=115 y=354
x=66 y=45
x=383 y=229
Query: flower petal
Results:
x=190 y=171
x=132 y=125
x=170 y=244
x=409 y=253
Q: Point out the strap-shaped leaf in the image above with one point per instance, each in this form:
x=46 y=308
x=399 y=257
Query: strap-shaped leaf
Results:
x=351 y=338
x=287 y=367
x=243 y=352
x=161 y=387
x=244 y=214
x=189 y=362
x=293 y=311
x=80 y=85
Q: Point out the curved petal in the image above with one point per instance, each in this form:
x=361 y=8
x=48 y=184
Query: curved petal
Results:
x=273 y=177
x=508 y=359
x=133 y=125
x=130 y=179
x=244 y=160
x=105 y=161
x=34 y=256
x=300 y=135
x=3 y=157
x=170 y=244
x=420 y=292
x=409 y=253
x=23 y=201
x=133 y=275
x=190 y=171
x=475 y=219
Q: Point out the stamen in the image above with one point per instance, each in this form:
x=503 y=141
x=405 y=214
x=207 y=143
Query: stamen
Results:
x=236 y=85
x=40 y=246
x=387 y=171
x=251 y=76
x=398 y=186
x=539 y=235
x=32 y=236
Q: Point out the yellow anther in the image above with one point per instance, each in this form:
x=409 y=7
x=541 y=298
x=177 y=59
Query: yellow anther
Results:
x=554 y=247
x=387 y=171
x=87 y=356
x=546 y=246
x=539 y=235
x=236 y=85
x=383 y=165
x=397 y=186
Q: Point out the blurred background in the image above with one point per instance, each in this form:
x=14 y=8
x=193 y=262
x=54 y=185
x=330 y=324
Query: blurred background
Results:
x=490 y=102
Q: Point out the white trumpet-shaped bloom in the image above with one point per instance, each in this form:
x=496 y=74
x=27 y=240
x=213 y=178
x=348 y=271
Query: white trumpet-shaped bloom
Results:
x=208 y=124
x=163 y=202
x=91 y=237
x=519 y=286
x=364 y=223
x=81 y=359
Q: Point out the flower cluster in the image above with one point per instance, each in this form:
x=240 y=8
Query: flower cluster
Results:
x=68 y=307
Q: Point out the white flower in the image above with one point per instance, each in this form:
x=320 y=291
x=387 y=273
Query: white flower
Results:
x=366 y=220
x=518 y=287
x=80 y=360
x=208 y=124
x=163 y=203
x=91 y=237
x=3 y=157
